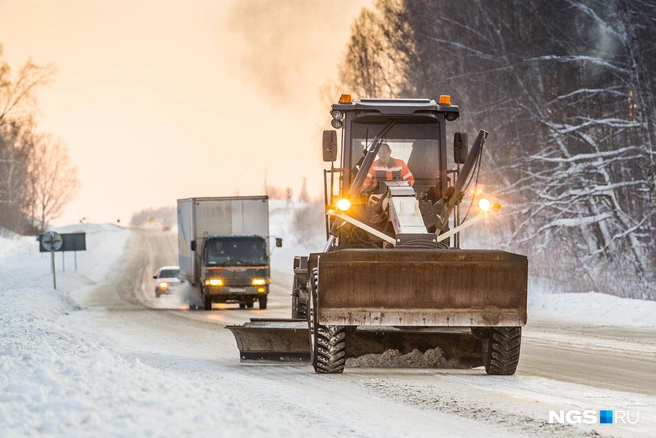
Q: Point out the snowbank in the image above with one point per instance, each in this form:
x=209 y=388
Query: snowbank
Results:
x=54 y=381
x=593 y=308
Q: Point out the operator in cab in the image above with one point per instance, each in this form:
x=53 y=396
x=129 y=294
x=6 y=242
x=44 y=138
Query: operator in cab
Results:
x=386 y=168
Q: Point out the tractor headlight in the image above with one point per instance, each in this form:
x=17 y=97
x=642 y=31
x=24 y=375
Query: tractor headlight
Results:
x=214 y=282
x=259 y=282
x=337 y=115
x=336 y=123
x=485 y=205
x=343 y=204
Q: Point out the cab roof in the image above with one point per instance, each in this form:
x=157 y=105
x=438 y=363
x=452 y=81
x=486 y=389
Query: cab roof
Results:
x=396 y=106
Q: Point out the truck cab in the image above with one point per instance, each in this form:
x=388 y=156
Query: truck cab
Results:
x=235 y=269
x=223 y=250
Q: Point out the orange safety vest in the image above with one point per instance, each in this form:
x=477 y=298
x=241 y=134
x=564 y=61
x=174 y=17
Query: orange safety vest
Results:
x=396 y=170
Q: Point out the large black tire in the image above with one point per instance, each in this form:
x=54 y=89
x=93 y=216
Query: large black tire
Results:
x=501 y=350
x=328 y=343
x=263 y=302
x=242 y=305
x=207 y=301
x=329 y=349
x=192 y=306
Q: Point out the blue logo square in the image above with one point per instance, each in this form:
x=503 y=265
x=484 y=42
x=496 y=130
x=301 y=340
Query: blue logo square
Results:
x=606 y=417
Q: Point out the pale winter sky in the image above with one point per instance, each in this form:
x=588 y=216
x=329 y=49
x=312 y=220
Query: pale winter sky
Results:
x=159 y=100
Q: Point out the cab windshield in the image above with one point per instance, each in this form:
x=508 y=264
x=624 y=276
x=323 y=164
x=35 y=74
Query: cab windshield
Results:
x=235 y=252
x=417 y=145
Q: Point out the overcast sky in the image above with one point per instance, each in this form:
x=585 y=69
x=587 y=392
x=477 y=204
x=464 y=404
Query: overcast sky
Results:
x=159 y=100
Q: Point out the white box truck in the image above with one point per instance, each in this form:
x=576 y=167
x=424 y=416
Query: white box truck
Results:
x=223 y=250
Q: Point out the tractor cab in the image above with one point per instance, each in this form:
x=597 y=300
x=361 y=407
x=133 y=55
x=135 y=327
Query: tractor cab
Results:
x=392 y=150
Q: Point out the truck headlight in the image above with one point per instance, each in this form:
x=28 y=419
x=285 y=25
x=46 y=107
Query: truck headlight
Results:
x=259 y=282
x=214 y=282
x=163 y=285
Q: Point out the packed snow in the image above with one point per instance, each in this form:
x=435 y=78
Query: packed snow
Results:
x=57 y=381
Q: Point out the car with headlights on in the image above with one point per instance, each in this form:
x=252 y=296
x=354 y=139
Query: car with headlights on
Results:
x=167 y=280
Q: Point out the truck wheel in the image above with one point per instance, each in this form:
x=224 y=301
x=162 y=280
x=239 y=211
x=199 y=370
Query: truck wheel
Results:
x=249 y=304
x=157 y=294
x=242 y=305
x=328 y=343
x=501 y=350
x=207 y=301
x=263 y=302
x=192 y=306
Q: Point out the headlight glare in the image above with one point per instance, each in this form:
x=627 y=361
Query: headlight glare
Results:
x=343 y=204
x=214 y=282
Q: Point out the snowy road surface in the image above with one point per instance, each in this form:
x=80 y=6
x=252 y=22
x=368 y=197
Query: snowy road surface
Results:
x=129 y=364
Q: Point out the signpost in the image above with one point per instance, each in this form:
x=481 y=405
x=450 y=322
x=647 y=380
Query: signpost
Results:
x=52 y=241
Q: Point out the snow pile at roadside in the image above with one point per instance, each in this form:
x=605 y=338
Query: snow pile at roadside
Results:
x=53 y=381
x=588 y=307
x=594 y=308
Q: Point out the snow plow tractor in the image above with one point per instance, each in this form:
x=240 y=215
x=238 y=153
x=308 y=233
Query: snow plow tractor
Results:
x=392 y=275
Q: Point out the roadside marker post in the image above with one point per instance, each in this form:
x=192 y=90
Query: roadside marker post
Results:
x=52 y=241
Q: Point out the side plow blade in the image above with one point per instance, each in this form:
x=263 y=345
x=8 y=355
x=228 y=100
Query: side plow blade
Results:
x=285 y=341
x=273 y=340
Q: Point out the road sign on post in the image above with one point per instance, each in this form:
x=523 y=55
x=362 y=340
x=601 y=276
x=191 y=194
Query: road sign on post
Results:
x=69 y=242
x=52 y=241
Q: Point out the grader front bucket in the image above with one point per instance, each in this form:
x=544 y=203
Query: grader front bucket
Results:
x=421 y=287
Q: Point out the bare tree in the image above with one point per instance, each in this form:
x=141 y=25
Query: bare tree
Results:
x=374 y=66
x=16 y=147
x=18 y=96
x=53 y=180
x=17 y=107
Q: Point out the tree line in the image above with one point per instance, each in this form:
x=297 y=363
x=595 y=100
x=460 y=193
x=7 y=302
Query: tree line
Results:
x=567 y=90
x=37 y=177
